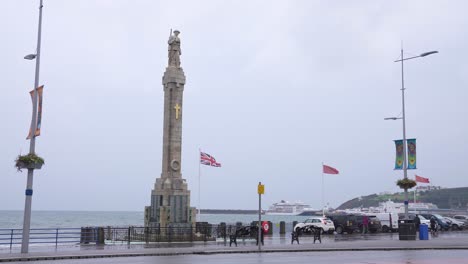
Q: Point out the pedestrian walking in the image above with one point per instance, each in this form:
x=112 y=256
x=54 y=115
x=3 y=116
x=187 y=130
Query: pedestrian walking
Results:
x=433 y=226
x=417 y=222
x=365 y=224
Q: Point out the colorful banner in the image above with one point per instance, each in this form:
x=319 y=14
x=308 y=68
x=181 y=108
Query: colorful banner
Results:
x=411 y=153
x=399 y=154
x=39 y=111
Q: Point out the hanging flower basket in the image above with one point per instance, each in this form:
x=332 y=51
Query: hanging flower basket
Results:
x=30 y=161
x=406 y=183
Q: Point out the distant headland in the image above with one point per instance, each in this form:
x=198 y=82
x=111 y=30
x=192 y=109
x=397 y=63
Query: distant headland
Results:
x=446 y=198
x=228 y=211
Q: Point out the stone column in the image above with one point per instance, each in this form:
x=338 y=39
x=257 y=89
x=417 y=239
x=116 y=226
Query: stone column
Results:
x=170 y=198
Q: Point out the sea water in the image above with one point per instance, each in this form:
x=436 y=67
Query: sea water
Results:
x=73 y=219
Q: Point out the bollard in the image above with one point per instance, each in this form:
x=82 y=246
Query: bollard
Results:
x=146 y=234
x=87 y=235
x=109 y=234
x=128 y=235
x=83 y=237
x=282 y=228
x=100 y=236
x=270 y=230
x=222 y=230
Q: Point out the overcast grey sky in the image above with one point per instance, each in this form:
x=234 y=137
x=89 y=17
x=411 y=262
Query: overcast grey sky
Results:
x=274 y=88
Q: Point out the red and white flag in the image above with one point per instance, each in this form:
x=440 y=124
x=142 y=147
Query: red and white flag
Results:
x=330 y=170
x=421 y=179
x=207 y=159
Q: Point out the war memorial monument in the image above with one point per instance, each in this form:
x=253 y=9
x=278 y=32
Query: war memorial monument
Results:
x=170 y=197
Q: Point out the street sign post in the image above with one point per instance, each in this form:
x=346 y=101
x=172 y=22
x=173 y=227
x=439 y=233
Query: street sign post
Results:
x=260 y=190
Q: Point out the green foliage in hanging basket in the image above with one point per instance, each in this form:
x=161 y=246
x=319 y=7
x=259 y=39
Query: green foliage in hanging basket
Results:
x=406 y=183
x=30 y=161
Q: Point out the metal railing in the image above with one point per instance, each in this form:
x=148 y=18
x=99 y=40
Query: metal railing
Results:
x=52 y=236
x=202 y=231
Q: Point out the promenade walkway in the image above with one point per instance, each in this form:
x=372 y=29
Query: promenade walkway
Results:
x=355 y=242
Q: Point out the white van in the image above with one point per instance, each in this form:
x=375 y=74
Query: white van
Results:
x=389 y=221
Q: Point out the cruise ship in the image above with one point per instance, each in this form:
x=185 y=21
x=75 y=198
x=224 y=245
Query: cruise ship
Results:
x=288 y=208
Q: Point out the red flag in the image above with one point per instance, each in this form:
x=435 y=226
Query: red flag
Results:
x=330 y=170
x=421 y=179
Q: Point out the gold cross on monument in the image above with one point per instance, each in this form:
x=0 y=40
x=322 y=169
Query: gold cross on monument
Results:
x=177 y=108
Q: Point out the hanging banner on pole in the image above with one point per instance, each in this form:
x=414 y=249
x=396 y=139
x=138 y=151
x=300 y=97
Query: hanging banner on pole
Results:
x=39 y=111
x=411 y=153
x=399 y=154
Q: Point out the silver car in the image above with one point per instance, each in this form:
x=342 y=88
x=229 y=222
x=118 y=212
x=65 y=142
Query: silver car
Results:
x=325 y=224
x=456 y=224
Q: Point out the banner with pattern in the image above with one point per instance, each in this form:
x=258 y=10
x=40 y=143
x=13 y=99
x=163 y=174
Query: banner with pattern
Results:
x=39 y=111
x=399 y=154
x=411 y=153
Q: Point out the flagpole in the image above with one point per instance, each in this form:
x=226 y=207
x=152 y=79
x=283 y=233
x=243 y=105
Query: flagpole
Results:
x=323 y=205
x=199 y=172
x=414 y=194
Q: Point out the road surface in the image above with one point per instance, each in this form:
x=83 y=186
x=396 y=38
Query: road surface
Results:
x=353 y=257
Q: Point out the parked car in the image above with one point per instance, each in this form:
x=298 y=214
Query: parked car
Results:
x=344 y=223
x=441 y=222
x=454 y=223
x=374 y=223
x=424 y=221
x=389 y=221
x=321 y=222
x=463 y=218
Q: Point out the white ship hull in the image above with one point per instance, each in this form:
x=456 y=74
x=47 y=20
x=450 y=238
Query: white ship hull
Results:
x=287 y=208
x=278 y=213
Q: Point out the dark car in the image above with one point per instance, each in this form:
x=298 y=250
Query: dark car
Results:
x=443 y=225
x=374 y=223
x=344 y=223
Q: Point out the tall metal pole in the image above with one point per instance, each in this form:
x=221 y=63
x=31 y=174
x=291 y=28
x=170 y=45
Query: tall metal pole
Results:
x=405 y=150
x=259 y=220
x=32 y=144
x=405 y=165
x=323 y=204
x=199 y=179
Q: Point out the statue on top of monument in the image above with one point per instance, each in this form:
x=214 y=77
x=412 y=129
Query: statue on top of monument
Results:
x=174 y=49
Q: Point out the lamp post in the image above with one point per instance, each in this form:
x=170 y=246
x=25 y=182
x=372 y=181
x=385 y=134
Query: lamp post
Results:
x=405 y=164
x=32 y=143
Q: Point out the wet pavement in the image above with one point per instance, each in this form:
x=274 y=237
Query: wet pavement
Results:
x=379 y=257
x=357 y=248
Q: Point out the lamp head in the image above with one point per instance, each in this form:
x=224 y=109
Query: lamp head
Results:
x=428 y=53
x=30 y=57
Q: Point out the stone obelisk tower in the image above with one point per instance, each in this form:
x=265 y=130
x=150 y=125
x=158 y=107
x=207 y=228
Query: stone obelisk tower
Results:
x=170 y=198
